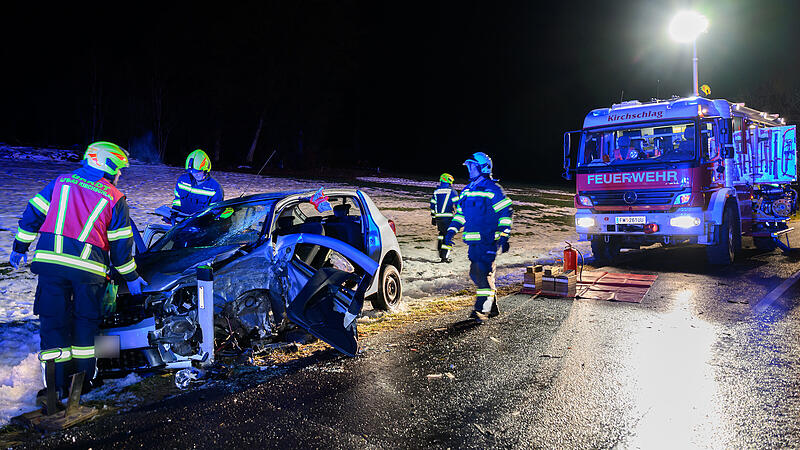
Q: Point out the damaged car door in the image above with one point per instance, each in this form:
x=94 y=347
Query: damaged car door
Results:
x=331 y=298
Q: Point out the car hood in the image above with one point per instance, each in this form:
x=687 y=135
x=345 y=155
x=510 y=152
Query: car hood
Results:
x=161 y=270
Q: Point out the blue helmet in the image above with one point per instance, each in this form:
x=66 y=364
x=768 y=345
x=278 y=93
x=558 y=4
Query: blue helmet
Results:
x=483 y=162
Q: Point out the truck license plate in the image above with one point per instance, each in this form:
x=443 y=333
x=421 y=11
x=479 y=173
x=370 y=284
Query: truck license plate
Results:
x=631 y=220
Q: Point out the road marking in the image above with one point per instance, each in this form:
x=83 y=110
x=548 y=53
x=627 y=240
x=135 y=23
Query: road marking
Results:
x=770 y=298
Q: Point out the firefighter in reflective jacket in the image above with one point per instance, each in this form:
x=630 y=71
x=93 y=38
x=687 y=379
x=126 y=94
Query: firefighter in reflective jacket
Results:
x=484 y=212
x=81 y=218
x=196 y=189
x=443 y=208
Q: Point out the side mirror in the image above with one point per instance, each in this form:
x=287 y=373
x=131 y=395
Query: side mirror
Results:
x=725 y=127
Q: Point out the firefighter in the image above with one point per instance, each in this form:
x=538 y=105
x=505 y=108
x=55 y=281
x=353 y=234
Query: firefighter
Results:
x=84 y=229
x=196 y=189
x=443 y=206
x=484 y=212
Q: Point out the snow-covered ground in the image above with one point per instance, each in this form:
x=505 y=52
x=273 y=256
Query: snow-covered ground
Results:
x=542 y=222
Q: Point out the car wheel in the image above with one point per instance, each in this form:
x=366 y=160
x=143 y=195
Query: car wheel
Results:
x=390 y=289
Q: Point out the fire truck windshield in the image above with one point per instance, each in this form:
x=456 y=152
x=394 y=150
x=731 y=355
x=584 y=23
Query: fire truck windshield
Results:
x=663 y=142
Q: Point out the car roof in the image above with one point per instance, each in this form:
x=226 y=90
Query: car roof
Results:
x=272 y=196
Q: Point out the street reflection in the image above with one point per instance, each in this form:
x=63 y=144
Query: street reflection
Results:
x=675 y=391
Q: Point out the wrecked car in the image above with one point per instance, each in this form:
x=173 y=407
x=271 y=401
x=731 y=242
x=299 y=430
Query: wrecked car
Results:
x=236 y=273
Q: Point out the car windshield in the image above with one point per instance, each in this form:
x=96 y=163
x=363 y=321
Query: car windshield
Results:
x=217 y=226
x=671 y=142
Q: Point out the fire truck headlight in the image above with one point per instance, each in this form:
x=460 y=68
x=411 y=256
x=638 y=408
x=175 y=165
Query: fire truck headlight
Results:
x=584 y=222
x=585 y=200
x=685 y=221
x=682 y=199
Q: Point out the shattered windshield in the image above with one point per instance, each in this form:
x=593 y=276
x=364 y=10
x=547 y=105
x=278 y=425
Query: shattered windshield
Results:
x=663 y=142
x=224 y=225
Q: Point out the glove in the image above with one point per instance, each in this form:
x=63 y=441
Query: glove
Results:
x=433 y=220
x=110 y=300
x=16 y=257
x=502 y=244
x=135 y=286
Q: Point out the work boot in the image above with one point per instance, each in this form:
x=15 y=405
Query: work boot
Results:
x=446 y=260
x=495 y=310
x=479 y=317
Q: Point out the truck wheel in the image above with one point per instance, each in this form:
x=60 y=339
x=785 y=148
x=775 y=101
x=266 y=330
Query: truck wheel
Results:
x=390 y=289
x=724 y=251
x=764 y=243
x=605 y=252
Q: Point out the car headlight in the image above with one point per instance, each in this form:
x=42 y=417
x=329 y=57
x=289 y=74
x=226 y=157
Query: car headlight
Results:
x=584 y=222
x=585 y=200
x=682 y=199
x=685 y=221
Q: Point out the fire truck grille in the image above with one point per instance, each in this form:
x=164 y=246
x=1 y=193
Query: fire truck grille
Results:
x=633 y=197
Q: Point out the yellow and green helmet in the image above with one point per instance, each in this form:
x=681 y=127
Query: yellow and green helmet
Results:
x=446 y=178
x=198 y=160
x=106 y=156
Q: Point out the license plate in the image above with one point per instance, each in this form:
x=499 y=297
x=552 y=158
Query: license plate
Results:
x=631 y=220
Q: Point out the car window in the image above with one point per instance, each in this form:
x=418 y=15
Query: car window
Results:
x=231 y=225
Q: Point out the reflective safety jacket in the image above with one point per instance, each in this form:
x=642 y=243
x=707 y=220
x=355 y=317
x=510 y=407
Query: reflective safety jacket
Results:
x=80 y=217
x=444 y=201
x=191 y=196
x=483 y=211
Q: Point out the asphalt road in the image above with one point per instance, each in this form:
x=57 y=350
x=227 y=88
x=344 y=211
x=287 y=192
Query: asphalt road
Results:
x=701 y=362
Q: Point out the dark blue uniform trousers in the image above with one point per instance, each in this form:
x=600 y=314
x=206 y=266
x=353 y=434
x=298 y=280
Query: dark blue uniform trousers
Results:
x=481 y=271
x=69 y=314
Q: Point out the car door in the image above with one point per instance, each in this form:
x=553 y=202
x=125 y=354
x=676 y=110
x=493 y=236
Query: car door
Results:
x=324 y=300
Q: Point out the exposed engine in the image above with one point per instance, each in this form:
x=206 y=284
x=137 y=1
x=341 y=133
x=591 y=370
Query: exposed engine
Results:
x=774 y=201
x=176 y=321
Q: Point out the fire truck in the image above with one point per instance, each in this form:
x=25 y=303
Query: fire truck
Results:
x=684 y=170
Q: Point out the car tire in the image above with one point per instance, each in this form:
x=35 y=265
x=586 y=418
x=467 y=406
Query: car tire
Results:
x=724 y=251
x=390 y=289
x=605 y=252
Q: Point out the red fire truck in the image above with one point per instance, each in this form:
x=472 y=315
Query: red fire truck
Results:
x=684 y=170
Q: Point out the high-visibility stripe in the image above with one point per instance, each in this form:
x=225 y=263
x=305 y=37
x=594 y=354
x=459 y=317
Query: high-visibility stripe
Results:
x=59 y=244
x=40 y=203
x=460 y=219
x=441 y=238
x=65 y=356
x=87 y=227
x=444 y=214
x=120 y=233
x=127 y=268
x=70 y=261
x=504 y=221
x=455 y=199
x=176 y=202
x=446 y=247
x=25 y=236
x=52 y=353
x=477 y=194
x=195 y=190
x=472 y=236
x=502 y=204
x=87 y=250
x=453 y=229
x=62 y=209
x=82 y=352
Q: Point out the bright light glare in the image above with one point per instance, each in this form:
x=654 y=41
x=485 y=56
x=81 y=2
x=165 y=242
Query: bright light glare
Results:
x=585 y=200
x=681 y=199
x=687 y=25
x=684 y=221
x=584 y=222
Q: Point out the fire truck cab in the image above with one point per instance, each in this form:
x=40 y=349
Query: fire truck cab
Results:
x=684 y=170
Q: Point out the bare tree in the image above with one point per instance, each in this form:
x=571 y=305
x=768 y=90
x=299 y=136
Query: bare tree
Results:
x=254 y=144
x=160 y=125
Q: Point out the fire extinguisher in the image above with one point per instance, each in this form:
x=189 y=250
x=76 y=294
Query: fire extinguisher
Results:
x=571 y=258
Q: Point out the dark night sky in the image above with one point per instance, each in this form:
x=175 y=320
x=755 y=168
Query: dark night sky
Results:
x=409 y=87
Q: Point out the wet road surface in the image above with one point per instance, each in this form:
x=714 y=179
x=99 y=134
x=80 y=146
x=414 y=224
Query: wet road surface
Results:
x=701 y=362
